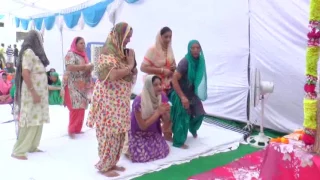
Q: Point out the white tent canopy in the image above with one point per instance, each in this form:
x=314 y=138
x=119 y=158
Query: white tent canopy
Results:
x=229 y=31
x=32 y=8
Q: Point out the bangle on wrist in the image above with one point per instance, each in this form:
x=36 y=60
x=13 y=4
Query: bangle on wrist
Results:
x=162 y=70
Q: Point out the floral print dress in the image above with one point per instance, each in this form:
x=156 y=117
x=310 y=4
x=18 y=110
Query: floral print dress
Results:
x=110 y=115
x=34 y=114
x=146 y=145
x=78 y=83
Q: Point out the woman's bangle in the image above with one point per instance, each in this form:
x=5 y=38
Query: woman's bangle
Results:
x=162 y=70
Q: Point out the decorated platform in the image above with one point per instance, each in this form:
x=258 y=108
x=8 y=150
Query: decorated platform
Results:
x=278 y=161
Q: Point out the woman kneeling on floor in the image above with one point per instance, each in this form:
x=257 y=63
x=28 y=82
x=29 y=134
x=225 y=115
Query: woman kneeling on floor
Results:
x=146 y=142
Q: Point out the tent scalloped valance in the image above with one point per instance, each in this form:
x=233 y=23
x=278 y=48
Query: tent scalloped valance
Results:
x=92 y=16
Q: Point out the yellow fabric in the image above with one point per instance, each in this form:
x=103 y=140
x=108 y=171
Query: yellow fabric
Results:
x=312 y=61
x=310 y=113
x=314 y=10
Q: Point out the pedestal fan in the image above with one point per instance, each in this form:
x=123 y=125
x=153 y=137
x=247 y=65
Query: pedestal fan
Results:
x=261 y=88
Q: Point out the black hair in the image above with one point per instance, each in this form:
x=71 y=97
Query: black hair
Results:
x=154 y=78
x=165 y=30
x=78 y=39
x=2 y=44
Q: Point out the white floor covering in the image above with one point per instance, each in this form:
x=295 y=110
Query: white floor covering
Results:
x=66 y=159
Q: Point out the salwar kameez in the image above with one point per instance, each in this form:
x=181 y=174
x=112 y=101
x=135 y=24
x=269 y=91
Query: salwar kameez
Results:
x=76 y=89
x=193 y=83
x=109 y=112
x=76 y=116
x=28 y=140
x=183 y=120
x=110 y=115
x=31 y=116
x=109 y=149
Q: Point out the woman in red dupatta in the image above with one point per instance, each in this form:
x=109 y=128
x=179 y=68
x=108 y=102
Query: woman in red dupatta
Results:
x=76 y=85
x=159 y=60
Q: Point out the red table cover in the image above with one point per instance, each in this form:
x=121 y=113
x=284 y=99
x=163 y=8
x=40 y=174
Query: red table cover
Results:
x=277 y=162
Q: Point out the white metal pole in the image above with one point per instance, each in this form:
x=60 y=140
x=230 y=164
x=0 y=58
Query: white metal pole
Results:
x=262 y=113
x=62 y=56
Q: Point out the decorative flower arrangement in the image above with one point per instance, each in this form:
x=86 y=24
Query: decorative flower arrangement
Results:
x=310 y=100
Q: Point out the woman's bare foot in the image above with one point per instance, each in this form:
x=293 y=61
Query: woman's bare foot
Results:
x=127 y=155
x=110 y=173
x=118 y=168
x=168 y=139
x=80 y=132
x=19 y=157
x=36 y=151
x=72 y=136
x=184 y=146
x=195 y=135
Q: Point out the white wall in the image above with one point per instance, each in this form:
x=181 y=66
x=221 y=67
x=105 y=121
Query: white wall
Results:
x=278 y=47
x=222 y=29
x=8 y=32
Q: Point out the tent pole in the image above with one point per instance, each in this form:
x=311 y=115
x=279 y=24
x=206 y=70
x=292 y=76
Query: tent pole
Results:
x=249 y=65
x=62 y=57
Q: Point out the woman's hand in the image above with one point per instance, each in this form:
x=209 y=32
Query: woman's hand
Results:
x=88 y=67
x=163 y=108
x=62 y=93
x=173 y=67
x=185 y=102
x=130 y=58
x=36 y=98
x=135 y=71
x=167 y=72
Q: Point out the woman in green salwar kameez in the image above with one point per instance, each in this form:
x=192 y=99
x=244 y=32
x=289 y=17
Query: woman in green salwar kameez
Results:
x=54 y=90
x=190 y=88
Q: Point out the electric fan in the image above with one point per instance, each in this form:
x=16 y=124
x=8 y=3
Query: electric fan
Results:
x=261 y=88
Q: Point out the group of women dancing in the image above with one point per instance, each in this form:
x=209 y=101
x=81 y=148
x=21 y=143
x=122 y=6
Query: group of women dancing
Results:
x=168 y=107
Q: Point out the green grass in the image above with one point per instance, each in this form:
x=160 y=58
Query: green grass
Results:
x=202 y=164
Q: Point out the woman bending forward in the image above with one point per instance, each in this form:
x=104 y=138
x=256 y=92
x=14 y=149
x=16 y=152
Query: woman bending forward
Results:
x=190 y=87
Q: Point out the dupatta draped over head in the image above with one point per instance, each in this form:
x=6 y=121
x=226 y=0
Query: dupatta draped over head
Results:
x=33 y=41
x=4 y=86
x=149 y=101
x=112 y=53
x=74 y=49
x=58 y=82
x=197 y=73
x=156 y=56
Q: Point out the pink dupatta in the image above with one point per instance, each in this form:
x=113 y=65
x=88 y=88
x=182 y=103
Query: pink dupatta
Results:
x=73 y=49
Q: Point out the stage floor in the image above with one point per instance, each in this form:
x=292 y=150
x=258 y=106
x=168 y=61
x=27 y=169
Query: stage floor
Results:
x=67 y=159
